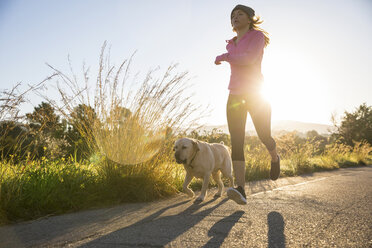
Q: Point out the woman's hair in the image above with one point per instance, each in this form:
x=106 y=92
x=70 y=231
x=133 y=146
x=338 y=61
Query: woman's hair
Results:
x=255 y=21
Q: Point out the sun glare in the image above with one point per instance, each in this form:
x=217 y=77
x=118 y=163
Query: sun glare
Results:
x=295 y=89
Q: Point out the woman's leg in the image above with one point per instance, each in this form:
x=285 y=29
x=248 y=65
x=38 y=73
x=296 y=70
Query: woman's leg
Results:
x=236 y=112
x=260 y=112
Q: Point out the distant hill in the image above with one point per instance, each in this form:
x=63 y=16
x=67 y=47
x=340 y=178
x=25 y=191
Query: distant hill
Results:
x=302 y=127
x=279 y=127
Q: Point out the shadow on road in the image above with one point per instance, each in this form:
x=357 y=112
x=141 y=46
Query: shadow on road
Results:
x=156 y=230
x=275 y=235
x=47 y=229
x=221 y=229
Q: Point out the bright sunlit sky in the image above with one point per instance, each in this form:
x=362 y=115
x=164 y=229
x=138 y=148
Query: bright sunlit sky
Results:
x=318 y=63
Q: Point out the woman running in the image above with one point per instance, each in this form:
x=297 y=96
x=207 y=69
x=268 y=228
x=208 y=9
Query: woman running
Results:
x=244 y=54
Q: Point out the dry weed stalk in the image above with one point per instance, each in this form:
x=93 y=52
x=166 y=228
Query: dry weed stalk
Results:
x=126 y=121
x=10 y=100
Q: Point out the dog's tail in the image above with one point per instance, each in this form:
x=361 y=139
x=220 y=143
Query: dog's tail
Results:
x=228 y=148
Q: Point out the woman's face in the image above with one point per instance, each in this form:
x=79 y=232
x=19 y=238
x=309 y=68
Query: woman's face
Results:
x=239 y=20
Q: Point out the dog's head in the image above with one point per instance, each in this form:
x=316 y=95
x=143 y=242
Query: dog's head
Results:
x=184 y=149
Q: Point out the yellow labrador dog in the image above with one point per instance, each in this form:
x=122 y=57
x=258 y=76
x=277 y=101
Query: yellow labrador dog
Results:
x=201 y=160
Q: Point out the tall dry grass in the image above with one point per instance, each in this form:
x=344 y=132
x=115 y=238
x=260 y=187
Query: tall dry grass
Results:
x=127 y=121
x=299 y=156
x=130 y=125
x=341 y=155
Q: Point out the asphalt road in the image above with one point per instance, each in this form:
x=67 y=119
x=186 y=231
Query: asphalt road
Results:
x=327 y=209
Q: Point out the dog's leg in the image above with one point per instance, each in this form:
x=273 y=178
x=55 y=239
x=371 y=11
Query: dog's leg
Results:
x=231 y=181
x=217 y=178
x=227 y=172
x=204 y=187
x=186 y=183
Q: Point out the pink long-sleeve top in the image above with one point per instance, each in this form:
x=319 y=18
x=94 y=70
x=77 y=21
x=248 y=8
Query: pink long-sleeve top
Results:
x=245 y=59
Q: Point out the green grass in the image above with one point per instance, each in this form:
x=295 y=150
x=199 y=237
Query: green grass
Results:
x=39 y=188
x=32 y=189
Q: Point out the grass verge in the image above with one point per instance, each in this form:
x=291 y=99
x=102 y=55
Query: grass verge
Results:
x=37 y=188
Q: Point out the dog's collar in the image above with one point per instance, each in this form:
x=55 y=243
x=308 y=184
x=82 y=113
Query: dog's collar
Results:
x=192 y=160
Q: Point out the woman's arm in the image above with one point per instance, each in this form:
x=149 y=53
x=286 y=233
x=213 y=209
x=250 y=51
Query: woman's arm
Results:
x=247 y=57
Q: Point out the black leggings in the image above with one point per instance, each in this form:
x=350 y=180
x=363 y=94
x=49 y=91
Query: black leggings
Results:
x=236 y=111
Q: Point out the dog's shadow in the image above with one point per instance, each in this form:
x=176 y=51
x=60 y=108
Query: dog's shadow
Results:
x=220 y=230
x=156 y=230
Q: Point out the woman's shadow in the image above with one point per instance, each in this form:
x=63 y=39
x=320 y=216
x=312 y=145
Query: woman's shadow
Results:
x=275 y=235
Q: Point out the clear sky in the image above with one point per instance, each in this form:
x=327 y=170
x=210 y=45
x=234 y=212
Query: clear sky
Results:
x=319 y=61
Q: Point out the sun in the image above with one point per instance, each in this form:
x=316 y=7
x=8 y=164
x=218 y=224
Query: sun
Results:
x=295 y=89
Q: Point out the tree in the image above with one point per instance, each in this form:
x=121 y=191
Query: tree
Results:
x=15 y=139
x=119 y=115
x=80 y=135
x=44 y=119
x=213 y=136
x=356 y=126
x=47 y=132
x=317 y=140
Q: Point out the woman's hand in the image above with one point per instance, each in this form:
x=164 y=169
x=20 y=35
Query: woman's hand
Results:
x=219 y=59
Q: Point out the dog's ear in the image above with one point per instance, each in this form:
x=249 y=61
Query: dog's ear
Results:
x=196 y=145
